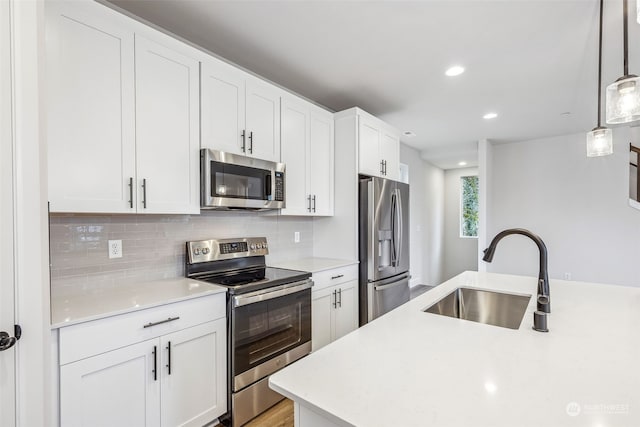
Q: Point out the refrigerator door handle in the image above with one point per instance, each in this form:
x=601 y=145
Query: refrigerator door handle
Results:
x=400 y=281
x=400 y=226
x=394 y=246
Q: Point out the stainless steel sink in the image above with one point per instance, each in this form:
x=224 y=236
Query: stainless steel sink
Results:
x=478 y=305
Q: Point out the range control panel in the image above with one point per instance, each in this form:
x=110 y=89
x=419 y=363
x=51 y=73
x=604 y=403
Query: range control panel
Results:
x=219 y=249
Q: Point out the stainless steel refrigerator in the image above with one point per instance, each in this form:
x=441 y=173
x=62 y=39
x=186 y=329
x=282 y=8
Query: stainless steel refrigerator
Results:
x=383 y=246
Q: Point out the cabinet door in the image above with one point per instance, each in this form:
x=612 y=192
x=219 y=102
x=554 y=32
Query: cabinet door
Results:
x=223 y=107
x=90 y=108
x=390 y=152
x=321 y=317
x=167 y=129
x=369 y=147
x=294 y=151
x=321 y=166
x=194 y=392
x=262 y=119
x=346 y=314
x=112 y=389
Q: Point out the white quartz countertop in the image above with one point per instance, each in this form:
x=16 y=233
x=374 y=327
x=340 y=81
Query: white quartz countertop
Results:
x=314 y=265
x=410 y=368
x=79 y=305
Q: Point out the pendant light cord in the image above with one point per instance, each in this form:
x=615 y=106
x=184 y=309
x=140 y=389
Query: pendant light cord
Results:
x=625 y=38
x=600 y=63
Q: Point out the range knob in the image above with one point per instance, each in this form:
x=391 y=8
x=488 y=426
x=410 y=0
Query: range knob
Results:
x=253 y=246
x=196 y=251
x=205 y=251
x=264 y=245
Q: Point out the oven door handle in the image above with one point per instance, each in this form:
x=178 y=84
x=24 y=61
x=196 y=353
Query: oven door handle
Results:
x=267 y=294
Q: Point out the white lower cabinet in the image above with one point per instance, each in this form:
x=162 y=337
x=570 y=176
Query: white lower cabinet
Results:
x=177 y=378
x=194 y=391
x=112 y=389
x=334 y=307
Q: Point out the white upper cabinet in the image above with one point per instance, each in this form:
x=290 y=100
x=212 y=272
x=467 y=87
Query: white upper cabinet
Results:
x=321 y=164
x=369 y=147
x=90 y=116
x=223 y=107
x=378 y=147
x=240 y=112
x=167 y=129
x=123 y=114
x=307 y=151
x=263 y=119
x=390 y=153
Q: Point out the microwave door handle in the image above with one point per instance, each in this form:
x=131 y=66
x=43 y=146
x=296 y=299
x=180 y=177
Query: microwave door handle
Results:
x=267 y=186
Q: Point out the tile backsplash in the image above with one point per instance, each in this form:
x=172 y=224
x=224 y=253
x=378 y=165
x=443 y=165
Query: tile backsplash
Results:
x=153 y=246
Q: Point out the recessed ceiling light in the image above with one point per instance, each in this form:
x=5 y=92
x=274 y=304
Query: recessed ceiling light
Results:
x=489 y=116
x=462 y=163
x=456 y=70
x=408 y=133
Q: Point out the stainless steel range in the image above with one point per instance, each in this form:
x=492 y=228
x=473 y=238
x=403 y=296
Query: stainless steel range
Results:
x=268 y=318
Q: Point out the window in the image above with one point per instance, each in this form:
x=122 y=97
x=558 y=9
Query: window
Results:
x=469 y=207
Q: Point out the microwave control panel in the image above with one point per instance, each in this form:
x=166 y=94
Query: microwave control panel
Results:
x=279 y=191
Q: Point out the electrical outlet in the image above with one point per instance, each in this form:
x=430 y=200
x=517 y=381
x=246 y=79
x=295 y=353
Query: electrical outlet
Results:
x=115 y=248
x=567 y=276
x=296 y=237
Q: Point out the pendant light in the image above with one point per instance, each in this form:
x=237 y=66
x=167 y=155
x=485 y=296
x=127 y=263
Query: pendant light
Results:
x=623 y=95
x=638 y=11
x=600 y=139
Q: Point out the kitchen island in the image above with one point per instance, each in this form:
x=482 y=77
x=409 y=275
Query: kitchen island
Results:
x=411 y=368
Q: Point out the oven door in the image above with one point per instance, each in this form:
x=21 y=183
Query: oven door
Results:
x=234 y=181
x=269 y=329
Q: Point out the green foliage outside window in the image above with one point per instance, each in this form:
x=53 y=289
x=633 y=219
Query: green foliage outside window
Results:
x=469 y=206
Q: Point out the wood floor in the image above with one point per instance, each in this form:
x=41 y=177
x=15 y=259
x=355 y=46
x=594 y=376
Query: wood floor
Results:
x=280 y=415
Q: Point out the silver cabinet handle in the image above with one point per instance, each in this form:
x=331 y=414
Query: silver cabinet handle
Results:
x=314 y=202
x=340 y=297
x=169 y=357
x=251 y=142
x=144 y=193
x=384 y=167
x=131 y=192
x=335 y=298
x=309 y=202
x=381 y=167
x=244 y=145
x=170 y=319
x=155 y=363
x=337 y=277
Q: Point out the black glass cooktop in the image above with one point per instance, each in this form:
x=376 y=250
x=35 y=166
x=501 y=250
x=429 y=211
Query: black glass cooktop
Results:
x=248 y=280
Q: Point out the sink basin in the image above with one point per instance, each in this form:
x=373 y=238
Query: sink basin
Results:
x=478 y=305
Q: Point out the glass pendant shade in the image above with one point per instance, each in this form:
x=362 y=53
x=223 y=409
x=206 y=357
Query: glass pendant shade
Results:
x=623 y=100
x=599 y=142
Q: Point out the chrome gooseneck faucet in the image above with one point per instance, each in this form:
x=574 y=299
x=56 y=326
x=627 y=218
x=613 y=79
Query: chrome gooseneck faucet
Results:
x=544 y=297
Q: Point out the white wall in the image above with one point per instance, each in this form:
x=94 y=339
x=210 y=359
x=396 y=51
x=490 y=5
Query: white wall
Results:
x=460 y=253
x=426 y=211
x=578 y=205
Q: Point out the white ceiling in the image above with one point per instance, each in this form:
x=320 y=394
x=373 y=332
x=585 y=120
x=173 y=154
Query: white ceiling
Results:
x=529 y=61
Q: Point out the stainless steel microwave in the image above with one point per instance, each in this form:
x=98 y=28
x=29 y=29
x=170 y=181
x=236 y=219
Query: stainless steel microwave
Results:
x=232 y=181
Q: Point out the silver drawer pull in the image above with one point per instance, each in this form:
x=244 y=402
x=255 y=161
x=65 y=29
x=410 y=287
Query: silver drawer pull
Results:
x=170 y=319
x=337 y=277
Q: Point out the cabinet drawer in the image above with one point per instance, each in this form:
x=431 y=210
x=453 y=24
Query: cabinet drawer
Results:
x=335 y=276
x=99 y=336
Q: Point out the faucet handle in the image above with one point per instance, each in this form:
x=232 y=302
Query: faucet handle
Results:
x=540 y=321
x=544 y=303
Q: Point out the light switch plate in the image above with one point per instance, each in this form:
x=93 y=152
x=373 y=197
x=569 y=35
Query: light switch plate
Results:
x=296 y=237
x=115 y=248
